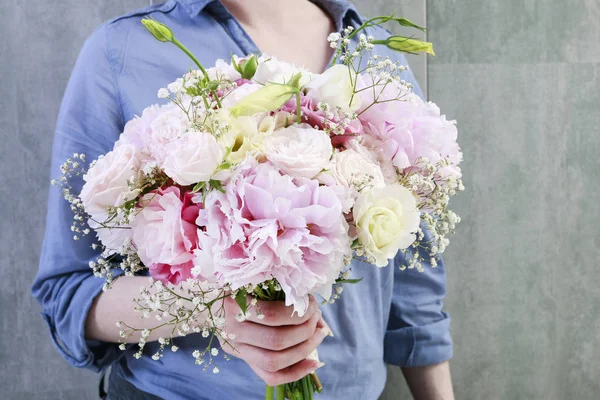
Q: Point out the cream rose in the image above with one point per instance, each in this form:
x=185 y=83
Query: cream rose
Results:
x=335 y=88
x=386 y=221
x=299 y=150
x=193 y=158
x=352 y=169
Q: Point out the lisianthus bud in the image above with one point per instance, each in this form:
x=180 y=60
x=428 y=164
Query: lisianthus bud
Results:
x=406 y=44
x=267 y=98
x=158 y=30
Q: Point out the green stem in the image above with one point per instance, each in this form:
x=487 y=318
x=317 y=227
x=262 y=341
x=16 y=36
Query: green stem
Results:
x=197 y=62
x=298 y=110
x=269 y=393
x=305 y=389
x=280 y=392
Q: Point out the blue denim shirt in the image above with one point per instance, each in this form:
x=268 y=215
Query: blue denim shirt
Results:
x=392 y=316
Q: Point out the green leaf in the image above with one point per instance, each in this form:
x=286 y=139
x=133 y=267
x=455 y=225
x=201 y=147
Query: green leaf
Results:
x=213 y=85
x=295 y=80
x=217 y=185
x=352 y=281
x=198 y=187
x=235 y=65
x=240 y=299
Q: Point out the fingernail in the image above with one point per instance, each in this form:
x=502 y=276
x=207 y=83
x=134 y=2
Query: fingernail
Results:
x=319 y=365
x=327 y=325
x=323 y=332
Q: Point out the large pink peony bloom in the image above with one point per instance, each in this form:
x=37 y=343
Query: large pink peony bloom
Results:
x=268 y=225
x=165 y=233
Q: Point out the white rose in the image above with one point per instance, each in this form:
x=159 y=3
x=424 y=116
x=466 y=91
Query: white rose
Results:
x=270 y=69
x=335 y=88
x=166 y=127
x=299 y=150
x=386 y=221
x=193 y=158
x=352 y=169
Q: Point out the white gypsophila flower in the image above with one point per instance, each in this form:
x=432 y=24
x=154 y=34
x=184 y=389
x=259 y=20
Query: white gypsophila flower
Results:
x=176 y=87
x=163 y=93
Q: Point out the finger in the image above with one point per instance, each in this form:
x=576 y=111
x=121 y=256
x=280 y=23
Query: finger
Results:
x=276 y=313
x=273 y=361
x=289 y=374
x=322 y=323
x=276 y=338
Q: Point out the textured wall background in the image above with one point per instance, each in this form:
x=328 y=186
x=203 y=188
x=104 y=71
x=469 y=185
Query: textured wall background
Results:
x=522 y=78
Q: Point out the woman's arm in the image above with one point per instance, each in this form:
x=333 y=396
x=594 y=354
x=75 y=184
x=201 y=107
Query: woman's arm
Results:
x=116 y=304
x=432 y=382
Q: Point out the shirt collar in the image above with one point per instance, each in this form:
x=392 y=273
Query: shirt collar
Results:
x=337 y=9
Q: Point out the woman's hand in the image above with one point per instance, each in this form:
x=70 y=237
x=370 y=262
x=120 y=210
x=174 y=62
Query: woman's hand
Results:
x=277 y=345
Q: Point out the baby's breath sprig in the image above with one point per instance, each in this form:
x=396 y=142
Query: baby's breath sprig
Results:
x=190 y=307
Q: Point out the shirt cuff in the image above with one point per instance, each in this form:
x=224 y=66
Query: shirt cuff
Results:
x=68 y=330
x=418 y=346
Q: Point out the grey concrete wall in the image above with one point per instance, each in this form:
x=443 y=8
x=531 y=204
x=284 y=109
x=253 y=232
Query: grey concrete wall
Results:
x=522 y=78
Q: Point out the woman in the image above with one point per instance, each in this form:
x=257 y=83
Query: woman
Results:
x=116 y=76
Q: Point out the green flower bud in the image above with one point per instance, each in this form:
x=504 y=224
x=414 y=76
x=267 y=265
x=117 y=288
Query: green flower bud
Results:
x=407 y=45
x=248 y=68
x=268 y=98
x=158 y=30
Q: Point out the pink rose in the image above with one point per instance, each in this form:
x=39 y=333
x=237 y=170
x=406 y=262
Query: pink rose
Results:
x=106 y=186
x=138 y=131
x=164 y=232
x=169 y=125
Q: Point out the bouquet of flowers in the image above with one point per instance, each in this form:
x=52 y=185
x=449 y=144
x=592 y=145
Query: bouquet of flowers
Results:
x=261 y=181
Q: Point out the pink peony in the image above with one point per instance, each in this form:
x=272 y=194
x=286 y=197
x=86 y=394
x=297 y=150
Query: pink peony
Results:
x=164 y=232
x=268 y=225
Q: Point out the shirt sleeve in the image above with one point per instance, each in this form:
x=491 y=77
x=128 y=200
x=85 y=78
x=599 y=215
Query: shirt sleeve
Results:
x=89 y=122
x=418 y=331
